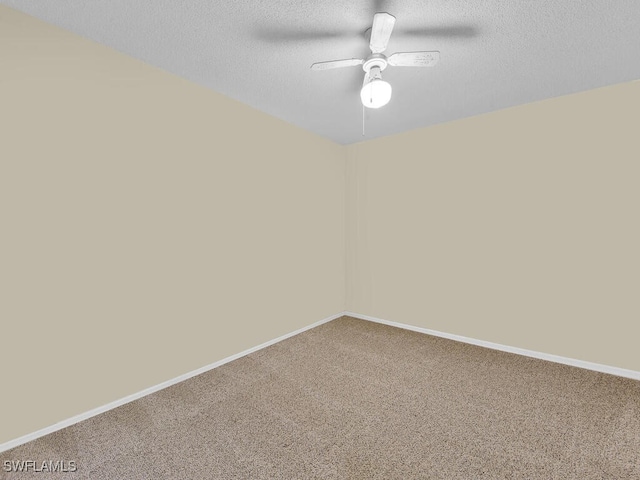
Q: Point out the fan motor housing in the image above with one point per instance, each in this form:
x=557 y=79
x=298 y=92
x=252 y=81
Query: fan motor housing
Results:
x=375 y=60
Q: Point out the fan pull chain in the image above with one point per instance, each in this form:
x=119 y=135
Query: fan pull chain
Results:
x=363 y=119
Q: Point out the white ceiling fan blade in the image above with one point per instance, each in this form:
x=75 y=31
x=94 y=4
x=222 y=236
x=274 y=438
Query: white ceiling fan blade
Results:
x=414 y=59
x=351 y=62
x=381 y=31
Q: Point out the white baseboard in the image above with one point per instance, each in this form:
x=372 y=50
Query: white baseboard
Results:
x=129 y=398
x=620 y=372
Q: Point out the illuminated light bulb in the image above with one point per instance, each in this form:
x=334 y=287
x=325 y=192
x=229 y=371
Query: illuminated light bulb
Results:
x=376 y=93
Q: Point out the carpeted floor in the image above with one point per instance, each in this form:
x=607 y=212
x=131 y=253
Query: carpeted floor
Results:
x=357 y=400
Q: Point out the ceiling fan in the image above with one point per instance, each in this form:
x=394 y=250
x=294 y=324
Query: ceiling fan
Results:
x=376 y=92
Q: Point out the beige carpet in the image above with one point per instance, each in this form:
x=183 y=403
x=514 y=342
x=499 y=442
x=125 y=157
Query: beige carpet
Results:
x=358 y=400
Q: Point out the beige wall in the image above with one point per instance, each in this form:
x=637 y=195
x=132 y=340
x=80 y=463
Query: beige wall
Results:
x=149 y=226
x=520 y=227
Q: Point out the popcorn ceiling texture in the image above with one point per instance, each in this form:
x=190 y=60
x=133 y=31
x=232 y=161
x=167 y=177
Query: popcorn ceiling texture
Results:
x=352 y=399
x=494 y=54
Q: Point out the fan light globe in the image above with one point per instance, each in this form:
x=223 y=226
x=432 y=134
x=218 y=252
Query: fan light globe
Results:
x=376 y=93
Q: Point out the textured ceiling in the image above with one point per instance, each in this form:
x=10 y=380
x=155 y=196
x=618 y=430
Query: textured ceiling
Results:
x=494 y=53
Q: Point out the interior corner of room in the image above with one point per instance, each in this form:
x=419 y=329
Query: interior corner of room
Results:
x=151 y=227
